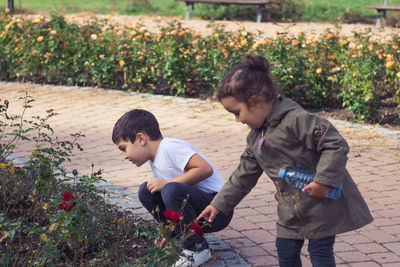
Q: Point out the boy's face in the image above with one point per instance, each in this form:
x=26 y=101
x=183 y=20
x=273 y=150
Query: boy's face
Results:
x=135 y=152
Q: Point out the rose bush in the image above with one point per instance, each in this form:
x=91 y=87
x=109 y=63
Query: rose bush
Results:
x=49 y=218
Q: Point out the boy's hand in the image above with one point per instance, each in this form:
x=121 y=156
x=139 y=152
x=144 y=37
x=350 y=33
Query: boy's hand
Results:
x=209 y=214
x=317 y=190
x=155 y=184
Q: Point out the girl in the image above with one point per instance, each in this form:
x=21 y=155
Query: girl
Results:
x=285 y=136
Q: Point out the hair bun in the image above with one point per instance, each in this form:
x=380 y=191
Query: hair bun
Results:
x=258 y=63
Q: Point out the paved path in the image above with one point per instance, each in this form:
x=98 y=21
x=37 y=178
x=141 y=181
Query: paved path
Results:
x=374 y=163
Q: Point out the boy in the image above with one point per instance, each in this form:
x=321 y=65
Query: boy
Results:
x=179 y=169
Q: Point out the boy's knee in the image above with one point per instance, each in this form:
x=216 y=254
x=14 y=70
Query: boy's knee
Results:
x=143 y=191
x=173 y=190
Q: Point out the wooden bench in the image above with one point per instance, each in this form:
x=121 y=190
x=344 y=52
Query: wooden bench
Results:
x=259 y=3
x=381 y=9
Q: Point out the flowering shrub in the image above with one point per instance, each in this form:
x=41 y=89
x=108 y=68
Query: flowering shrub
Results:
x=317 y=71
x=58 y=220
x=170 y=252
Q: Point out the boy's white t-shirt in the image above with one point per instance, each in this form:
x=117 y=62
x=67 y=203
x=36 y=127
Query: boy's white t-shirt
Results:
x=171 y=159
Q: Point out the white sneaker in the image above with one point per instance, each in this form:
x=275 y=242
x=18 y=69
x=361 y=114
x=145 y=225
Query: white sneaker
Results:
x=190 y=258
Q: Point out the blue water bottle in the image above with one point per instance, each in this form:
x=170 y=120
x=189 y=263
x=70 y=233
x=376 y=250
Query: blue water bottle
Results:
x=300 y=178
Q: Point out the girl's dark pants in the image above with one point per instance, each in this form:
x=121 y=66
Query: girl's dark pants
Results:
x=321 y=252
x=171 y=198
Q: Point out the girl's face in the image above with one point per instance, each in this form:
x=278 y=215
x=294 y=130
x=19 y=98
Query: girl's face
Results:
x=253 y=115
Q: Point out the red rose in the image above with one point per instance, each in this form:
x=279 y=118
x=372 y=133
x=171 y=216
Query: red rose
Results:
x=172 y=215
x=17 y=168
x=62 y=206
x=67 y=196
x=196 y=228
x=70 y=206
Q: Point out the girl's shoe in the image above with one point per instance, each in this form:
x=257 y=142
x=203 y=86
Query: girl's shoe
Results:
x=190 y=258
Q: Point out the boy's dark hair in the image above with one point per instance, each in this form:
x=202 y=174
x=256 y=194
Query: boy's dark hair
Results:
x=134 y=122
x=251 y=78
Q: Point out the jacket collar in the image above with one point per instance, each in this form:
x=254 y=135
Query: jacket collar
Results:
x=282 y=106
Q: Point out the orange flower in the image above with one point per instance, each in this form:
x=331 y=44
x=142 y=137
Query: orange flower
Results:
x=47 y=55
x=195 y=41
x=389 y=64
x=370 y=47
x=34 y=52
x=243 y=42
x=254 y=46
x=37 y=20
x=244 y=33
x=333 y=57
x=319 y=70
x=53 y=32
x=276 y=31
x=181 y=33
x=40 y=38
x=265 y=42
x=141 y=57
x=216 y=35
x=389 y=57
x=345 y=42
x=329 y=36
x=296 y=42
x=121 y=63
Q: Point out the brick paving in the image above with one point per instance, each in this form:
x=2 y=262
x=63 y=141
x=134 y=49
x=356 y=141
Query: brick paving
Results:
x=374 y=163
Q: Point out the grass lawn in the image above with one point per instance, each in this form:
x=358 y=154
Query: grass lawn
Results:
x=319 y=10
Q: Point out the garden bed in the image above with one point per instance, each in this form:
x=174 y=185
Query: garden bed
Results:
x=49 y=218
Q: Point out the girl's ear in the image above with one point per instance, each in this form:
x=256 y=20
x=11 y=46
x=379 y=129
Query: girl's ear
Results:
x=142 y=138
x=256 y=101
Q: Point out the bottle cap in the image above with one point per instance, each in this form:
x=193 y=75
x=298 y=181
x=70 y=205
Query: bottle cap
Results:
x=282 y=173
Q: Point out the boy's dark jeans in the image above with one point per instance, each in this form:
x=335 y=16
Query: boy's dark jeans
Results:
x=171 y=198
x=321 y=252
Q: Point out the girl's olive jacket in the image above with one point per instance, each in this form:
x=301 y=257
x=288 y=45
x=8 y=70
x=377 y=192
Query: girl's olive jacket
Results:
x=295 y=138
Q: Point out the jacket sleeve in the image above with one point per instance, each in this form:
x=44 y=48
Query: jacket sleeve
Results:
x=239 y=184
x=319 y=135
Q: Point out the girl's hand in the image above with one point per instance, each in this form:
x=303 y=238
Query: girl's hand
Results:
x=155 y=185
x=317 y=190
x=209 y=214
x=160 y=242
